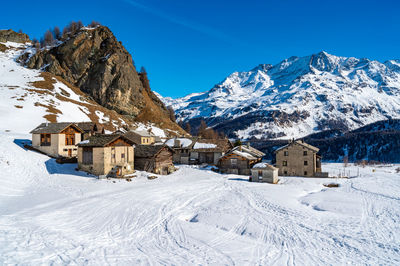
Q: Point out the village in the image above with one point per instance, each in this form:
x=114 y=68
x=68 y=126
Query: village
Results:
x=118 y=154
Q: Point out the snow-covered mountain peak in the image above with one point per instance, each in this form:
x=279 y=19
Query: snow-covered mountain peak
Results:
x=298 y=96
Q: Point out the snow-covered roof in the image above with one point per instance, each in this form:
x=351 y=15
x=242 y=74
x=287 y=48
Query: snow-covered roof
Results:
x=244 y=154
x=264 y=166
x=84 y=141
x=199 y=145
x=184 y=142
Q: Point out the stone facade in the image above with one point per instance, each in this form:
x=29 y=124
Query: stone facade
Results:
x=111 y=155
x=264 y=174
x=298 y=159
x=103 y=162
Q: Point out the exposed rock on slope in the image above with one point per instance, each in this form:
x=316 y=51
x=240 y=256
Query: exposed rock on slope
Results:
x=12 y=36
x=93 y=60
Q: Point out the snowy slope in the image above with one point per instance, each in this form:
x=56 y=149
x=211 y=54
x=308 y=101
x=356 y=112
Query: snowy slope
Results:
x=297 y=97
x=51 y=214
x=29 y=97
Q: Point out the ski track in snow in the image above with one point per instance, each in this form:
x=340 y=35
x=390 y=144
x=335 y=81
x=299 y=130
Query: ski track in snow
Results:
x=52 y=214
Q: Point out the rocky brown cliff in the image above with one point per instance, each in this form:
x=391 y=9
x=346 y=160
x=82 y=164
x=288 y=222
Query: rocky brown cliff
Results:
x=94 y=61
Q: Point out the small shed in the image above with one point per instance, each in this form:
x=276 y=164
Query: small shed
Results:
x=264 y=173
x=154 y=158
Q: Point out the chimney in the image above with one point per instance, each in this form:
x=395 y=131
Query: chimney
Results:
x=177 y=143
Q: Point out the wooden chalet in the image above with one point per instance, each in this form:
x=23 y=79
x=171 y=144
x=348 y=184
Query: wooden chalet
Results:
x=154 y=158
x=240 y=160
x=111 y=155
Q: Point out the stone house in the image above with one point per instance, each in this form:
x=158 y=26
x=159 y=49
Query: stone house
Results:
x=154 y=158
x=264 y=173
x=57 y=139
x=209 y=150
x=197 y=150
x=111 y=155
x=240 y=160
x=299 y=159
x=140 y=137
x=182 y=148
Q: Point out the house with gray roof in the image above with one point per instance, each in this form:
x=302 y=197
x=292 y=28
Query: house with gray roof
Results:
x=111 y=155
x=156 y=158
x=57 y=139
x=60 y=139
x=298 y=158
x=240 y=160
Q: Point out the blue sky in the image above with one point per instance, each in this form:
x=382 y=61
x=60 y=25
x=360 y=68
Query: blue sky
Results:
x=189 y=46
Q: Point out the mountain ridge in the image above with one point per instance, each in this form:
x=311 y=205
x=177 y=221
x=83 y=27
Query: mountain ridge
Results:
x=297 y=97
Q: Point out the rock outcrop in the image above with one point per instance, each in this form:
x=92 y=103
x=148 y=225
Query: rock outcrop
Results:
x=12 y=36
x=93 y=60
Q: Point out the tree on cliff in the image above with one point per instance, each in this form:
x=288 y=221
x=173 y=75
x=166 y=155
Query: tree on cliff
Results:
x=171 y=113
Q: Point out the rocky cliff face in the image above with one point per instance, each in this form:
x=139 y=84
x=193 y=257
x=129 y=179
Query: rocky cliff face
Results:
x=93 y=60
x=12 y=36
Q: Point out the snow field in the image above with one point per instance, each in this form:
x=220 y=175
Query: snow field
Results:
x=52 y=214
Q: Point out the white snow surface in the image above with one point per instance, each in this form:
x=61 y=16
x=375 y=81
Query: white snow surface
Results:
x=185 y=142
x=51 y=214
x=199 y=145
x=313 y=90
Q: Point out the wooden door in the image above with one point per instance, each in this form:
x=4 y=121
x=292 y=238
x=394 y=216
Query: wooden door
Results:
x=210 y=157
x=69 y=152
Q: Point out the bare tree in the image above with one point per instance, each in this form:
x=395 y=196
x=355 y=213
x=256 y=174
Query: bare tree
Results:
x=57 y=33
x=79 y=24
x=171 y=113
x=202 y=128
x=48 y=38
x=345 y=161
x=41 y=42
x=188 y=128
x=94 y=24
x=19 y=31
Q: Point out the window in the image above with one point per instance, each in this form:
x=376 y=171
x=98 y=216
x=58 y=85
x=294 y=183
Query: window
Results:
x=45 y=139
x=305 y=172
x=122 y=156
x=305 y=162
x=234 y=162
x=65 y=149
x=285 y=172
x=286 y=153
x=304 y=153
x=284 y=163
x=70 y=139
x=87 y=155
